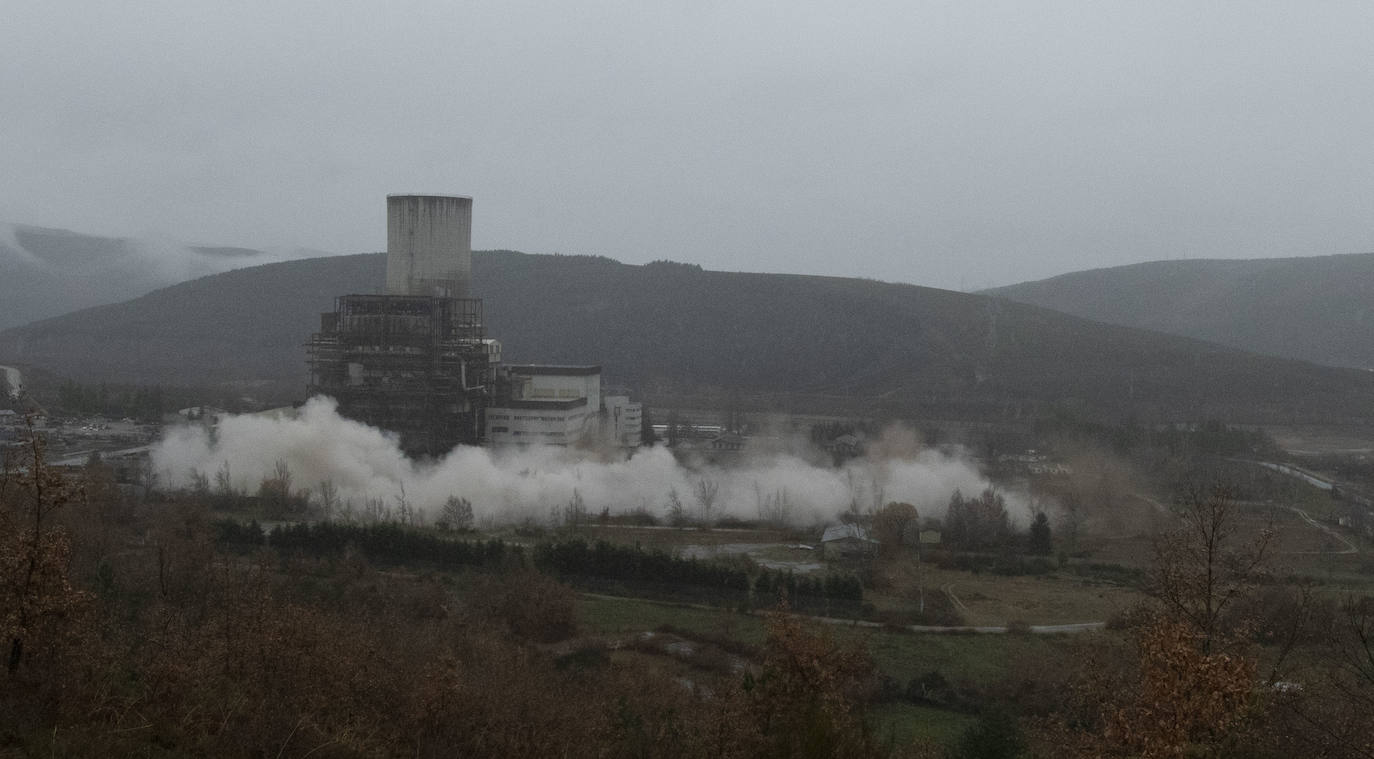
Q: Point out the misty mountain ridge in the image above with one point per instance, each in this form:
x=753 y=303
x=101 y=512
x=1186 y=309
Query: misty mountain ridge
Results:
x=1317 y=309
x=49 y=272
x=679 y=334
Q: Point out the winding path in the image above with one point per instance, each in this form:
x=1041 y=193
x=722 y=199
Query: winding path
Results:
x=1073 y=627
x=1349 y=546
x=1314 y=481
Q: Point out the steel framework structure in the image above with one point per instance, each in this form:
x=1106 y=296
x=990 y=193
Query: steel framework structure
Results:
x=411 y=364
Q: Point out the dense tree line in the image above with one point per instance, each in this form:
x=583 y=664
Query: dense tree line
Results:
x=575 y=558
x=603 y=559
x=136 y=401
x=980 y=523
x=143 y=402
x=384 y=542
x=392 y=543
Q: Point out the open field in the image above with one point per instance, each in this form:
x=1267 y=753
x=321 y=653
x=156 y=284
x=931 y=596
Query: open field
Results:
x=976 y=659
x=605 y=616
x=902 y=723
x=987 y=599
x=1301 y=541
x=1319 y=439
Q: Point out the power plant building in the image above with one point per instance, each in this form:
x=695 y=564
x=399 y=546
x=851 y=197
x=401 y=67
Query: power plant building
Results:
x=545 y=405
x=417 y=362
x=414 y=361
x=624 y=419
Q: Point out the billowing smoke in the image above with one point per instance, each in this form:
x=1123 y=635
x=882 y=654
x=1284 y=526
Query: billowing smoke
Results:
x=363 y=463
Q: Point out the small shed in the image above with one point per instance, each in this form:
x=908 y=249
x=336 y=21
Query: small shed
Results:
x=847 y=540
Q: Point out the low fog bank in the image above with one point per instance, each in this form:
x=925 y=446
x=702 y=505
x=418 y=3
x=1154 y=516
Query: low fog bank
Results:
x=363 y=463
x=173 y=261
x=157 y=259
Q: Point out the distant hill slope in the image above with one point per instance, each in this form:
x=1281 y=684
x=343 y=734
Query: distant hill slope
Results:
x=671 y=329
x=1316 y=309
x=47 y=272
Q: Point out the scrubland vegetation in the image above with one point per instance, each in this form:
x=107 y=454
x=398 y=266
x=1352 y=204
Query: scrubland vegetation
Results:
x=167 y=624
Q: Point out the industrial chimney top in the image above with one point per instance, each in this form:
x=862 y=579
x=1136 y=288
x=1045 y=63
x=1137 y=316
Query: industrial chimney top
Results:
x=428 y=245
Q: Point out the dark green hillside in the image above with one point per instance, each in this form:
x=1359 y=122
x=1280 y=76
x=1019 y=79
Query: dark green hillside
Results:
x=904 y=348
x=1317 y=309
x=674 y=330
x=248 y=324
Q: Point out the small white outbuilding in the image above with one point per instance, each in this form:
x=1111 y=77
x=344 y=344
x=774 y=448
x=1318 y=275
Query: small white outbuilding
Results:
x=847 y=540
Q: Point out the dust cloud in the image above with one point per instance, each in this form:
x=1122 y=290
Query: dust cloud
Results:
x=506 y=485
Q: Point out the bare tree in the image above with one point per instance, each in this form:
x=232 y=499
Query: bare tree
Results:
x=456 y=514
x=200 y=483
x=1184 y=695
x=375 y=510
x=1341 y=719
x=147 y=475
x=706 y=491
x=896 y=527
x=36 y=595
x=1071 y=509
x=575 y=512
x=224 y=482
x=329 y=498
x=774 y=508
x=1203 y=565
x=677 y=513
x=282 y=474
x=856 y=495
x=876 y=489
x=275 y=489
x=404 y=511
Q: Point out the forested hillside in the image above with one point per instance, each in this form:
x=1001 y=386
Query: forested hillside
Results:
x=673 y=330
x=1317 y=309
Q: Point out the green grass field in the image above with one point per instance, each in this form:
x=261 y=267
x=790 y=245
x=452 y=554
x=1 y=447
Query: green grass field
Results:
x=903 y=723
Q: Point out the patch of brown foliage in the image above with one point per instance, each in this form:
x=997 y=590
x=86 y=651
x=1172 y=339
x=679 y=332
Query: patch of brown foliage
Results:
x=1184 y=697
x=38 y=603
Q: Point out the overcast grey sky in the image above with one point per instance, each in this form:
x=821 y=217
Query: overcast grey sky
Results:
x=954 y=144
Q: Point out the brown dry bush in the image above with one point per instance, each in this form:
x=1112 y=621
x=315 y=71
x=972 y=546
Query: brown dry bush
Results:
x=531 y=606
x=1187 y=699
x=1191 y=689
x=807 y=700
x=39 y=606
